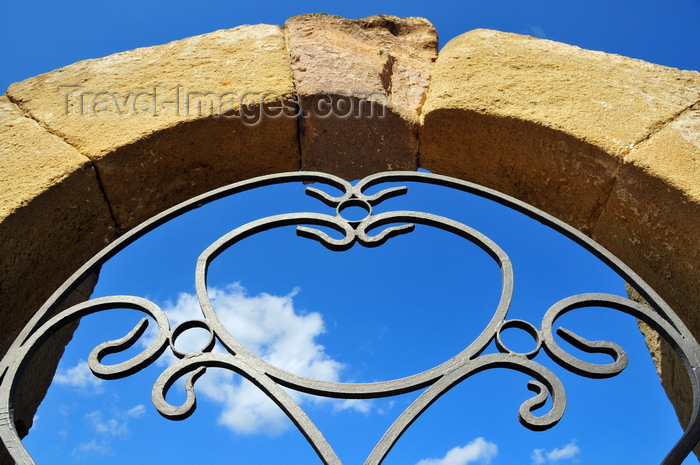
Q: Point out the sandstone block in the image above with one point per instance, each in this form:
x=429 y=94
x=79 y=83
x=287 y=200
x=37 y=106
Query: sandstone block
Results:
x=669 y=368
x=53 y=215
x=660 y=242
x=544 y=121
x=606 y=143
x=361 y=84
x=203 y=111
x=53 y=218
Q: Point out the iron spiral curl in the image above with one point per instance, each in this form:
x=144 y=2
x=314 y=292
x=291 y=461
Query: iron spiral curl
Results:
x=272 y=380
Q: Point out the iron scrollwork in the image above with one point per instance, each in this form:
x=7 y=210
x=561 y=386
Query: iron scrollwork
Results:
x=371 y=231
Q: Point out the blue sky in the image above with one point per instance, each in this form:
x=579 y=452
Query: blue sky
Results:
x=360 y=315
x=39 y=36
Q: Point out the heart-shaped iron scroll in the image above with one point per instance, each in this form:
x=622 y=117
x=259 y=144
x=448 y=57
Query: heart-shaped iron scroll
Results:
x=272 y=380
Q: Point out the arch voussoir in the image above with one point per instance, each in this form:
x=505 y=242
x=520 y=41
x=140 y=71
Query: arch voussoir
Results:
x=606 y=143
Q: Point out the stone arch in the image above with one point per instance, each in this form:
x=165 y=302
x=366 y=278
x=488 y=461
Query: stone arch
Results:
x=606 y=143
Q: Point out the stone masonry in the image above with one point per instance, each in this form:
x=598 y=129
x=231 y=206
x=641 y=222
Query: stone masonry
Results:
x=609 y=144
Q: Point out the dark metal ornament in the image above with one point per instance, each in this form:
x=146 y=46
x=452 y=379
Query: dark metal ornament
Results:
x=271 y=379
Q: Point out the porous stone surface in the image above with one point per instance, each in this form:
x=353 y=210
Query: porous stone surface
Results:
x=663 y=170
x=669 y=368
x=53 y=218
x=50 y=197
x=40 y=372
x=164 y=122
x=608 y=144
x=543 y=120
x=652 y=222
x=361 y=84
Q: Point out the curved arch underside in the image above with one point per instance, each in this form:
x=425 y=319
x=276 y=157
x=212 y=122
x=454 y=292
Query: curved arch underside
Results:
x=608 y=144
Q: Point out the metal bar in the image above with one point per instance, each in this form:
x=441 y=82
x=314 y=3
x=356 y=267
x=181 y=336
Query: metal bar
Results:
x=438 y=380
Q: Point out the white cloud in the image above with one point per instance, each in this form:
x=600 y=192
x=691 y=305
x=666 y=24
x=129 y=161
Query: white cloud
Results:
x=269 y=327
x=358 y=405
x=538 y=457
x=91 y=448
x=535 y=31
x=117 y=426
x=79 y=377
x=107 y=430
x=109 y=426
x=569 y=451
x=136 y=412
x=479 y=450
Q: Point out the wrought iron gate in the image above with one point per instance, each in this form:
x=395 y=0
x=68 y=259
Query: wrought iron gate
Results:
x=371 y=231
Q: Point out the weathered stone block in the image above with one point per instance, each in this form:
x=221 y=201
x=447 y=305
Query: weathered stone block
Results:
x=50 y=196
x=660 y=242
x=546 y=122
x=669 y=368
x=361 y=84
x=53 y=218
x=606 y=143
x=196 y=112
x=529 y=161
